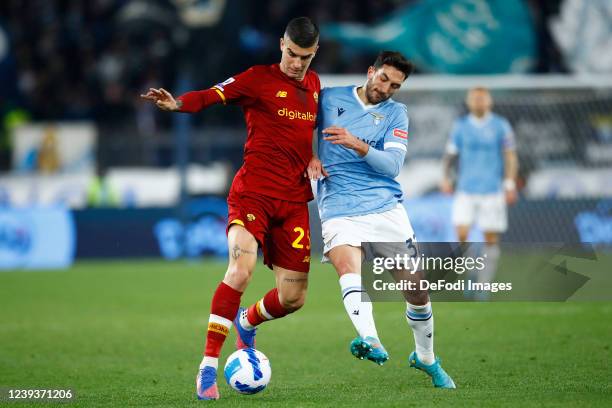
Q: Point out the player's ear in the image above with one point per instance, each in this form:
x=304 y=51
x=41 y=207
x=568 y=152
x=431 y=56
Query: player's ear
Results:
x=282 y=44
x=371 y=71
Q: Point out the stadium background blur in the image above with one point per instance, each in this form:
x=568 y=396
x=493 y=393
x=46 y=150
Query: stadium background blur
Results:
x=91 y=174
x=75 y=133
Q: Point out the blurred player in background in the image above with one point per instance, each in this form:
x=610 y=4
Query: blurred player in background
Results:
x=483 y=143
x=362 y=142
x=268 y=198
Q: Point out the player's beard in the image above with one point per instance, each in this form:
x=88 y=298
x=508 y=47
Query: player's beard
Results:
x=374 y=97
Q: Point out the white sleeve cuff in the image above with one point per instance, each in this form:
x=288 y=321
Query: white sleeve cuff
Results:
x=395 y=145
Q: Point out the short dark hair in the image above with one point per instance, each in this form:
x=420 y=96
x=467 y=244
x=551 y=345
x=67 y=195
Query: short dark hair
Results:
x=303 y=32
x=396 y=60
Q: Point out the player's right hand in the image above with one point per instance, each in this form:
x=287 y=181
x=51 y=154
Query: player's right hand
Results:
x=315 y=169
x=162 y=98
x=446 y=186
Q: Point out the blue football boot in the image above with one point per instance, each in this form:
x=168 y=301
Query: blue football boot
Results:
x=206 y=384
x=369 y=348
x=439 y=377
x=245 y=338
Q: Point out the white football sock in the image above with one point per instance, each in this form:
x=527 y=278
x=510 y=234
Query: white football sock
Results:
x=420 y=319
x=359 y=311
x=209 y=362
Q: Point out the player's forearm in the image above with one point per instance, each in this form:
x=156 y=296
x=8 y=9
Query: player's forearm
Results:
x=510 y=166
x=195 y=101
x=361 y=147
x=448 y=162
x=388 y=162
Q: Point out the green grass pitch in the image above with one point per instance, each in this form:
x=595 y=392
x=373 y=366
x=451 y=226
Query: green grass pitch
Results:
x=130 y=333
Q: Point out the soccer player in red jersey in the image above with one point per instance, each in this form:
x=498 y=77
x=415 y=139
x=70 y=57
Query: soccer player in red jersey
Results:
x=268 y=198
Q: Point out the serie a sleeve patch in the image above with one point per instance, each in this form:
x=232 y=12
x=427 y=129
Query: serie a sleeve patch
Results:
x=402 y=134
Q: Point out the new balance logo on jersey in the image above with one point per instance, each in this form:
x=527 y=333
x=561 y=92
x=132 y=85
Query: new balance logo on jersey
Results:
x=281 y=94
x=356 y=312
x=429 y=335
x=340 y=111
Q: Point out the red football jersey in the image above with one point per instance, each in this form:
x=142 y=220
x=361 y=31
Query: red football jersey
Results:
x=280 y=115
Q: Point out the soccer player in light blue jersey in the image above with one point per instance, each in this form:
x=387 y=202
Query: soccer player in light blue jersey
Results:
x=362 y=141
x=483 y=143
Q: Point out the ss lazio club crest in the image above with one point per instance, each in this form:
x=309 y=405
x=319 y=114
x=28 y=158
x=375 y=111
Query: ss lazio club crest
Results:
x=377 y=117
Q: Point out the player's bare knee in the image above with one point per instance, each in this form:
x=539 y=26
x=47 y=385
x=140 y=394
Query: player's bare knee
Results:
x=238 y=274
x=491 y=238
x=417 y=297
x=344 y=266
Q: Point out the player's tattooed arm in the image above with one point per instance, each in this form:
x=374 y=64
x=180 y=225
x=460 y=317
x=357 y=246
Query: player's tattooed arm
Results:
x=237 y=251
x=449 y=162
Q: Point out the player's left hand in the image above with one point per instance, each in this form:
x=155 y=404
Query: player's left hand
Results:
x=510 y=191
x=341 y=136
x=315 y=169
x=162 y=98
x=511 y=196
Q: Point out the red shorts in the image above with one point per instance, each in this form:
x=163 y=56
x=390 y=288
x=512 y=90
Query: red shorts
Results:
x=280 y=227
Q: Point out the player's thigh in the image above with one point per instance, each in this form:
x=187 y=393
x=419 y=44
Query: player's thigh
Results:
x=346 y=259
x=492 y=214
x=289 y=240
x=242 y=247
x=462 y=232
x=491 y=237
x=291 y=286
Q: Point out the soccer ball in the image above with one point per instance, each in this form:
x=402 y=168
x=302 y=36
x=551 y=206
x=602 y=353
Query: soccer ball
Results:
x=247 y=371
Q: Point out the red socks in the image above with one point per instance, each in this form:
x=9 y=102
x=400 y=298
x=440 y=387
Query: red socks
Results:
x=267 y=308
x=225 y=304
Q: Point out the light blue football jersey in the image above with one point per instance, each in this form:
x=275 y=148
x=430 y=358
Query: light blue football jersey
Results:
x=480 y=144
x=353 y=186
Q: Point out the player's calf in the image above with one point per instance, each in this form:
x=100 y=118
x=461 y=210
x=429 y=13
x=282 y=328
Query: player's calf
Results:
x=293 y=302
x=269 y=307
